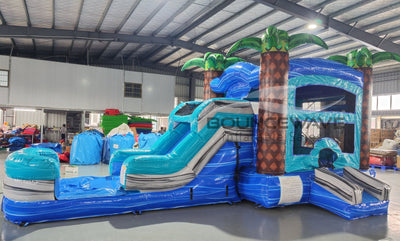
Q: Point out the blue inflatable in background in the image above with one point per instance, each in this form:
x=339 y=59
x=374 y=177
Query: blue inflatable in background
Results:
x=54 y=146
x=115 y=143
x=86 y=148
x=16 y=143
x=146 y=141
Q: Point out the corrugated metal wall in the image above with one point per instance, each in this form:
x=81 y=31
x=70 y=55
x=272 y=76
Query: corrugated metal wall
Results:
x=386 y=83
x=55 y=119
x=199 y=89
x=182 y=89
x=28 y=117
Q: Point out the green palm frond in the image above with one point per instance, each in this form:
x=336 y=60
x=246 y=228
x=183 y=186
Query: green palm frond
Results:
x=252 y=43
x=303 y=38
x=206 y=56
x=364 y=58
x=382 y=56
x=270 y=39
x=232 y=60
x=339 y=58
x=199 y=62
x=211 y=62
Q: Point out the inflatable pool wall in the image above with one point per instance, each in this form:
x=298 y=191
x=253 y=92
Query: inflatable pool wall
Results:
x=31 y=174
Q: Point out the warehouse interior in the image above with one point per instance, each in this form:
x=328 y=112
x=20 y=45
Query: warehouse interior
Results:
x=67 y=62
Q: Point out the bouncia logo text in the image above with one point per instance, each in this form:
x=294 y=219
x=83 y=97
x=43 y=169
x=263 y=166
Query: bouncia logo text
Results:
x=277 y=122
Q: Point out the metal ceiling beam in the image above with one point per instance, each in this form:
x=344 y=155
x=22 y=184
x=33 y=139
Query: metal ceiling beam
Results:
x=166 y=55
x=142 y=25
x=103 y=16
x=28 y=20
x=244 y=11
x=244 y=26
x=340 y=52
x=319 y=6
x=76 y=26
x=374 y=13
x=351 y=7
x=180 y=58
x=149 y=17
x=343 y=28
x=203 y=18
x=193 y=25
x=170 y=19
x=319 y=49
x=339 y=36
x=123 y=22
x=3 y=20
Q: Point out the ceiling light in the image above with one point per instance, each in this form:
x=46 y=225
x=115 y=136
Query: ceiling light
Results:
x=312 y=26
x=24 y=109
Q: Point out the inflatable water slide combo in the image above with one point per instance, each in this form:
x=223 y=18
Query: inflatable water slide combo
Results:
x=208 y=156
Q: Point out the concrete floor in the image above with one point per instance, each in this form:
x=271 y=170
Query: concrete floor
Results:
x=242 y=221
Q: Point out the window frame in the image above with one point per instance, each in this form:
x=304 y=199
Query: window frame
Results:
x=8 y=78
x=133 y=88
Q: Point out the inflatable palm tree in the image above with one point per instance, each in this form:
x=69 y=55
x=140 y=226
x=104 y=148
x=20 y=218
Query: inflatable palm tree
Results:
x=363 y=60
x=214 y=65
x=274 y=70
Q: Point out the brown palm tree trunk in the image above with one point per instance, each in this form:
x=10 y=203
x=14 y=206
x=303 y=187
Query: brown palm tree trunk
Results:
x=366 y=118
x=209 y=75
x=271 y=139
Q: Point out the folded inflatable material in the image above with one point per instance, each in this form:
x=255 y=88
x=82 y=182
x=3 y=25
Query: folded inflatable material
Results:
x=86 y=148
x=146 y=141
x=16 y=143
x=122 y=129
x=28 y=190
x=341 y=187
x=33 y=164
x=370 y=184
x=53 y=146
x=115 y=143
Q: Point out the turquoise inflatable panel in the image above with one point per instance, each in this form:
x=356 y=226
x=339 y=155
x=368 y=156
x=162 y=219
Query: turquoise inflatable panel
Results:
x=33 y=164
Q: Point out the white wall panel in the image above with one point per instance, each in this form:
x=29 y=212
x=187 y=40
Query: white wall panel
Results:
x=62 y=86
x=55 y=119
x=133 y=77
x=3 y=96
x=66 y=86
x=158 y=93
x=4 y=65
x=4 y=62
x=28 y=117
x=133 y=105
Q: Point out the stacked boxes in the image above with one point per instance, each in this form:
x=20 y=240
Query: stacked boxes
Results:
x=379 y=135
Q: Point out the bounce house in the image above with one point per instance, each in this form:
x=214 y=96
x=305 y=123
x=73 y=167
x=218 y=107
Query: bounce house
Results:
x=208 y=155
x=284 y=133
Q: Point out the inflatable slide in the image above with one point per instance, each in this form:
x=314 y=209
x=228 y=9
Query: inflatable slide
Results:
x=196 y=162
